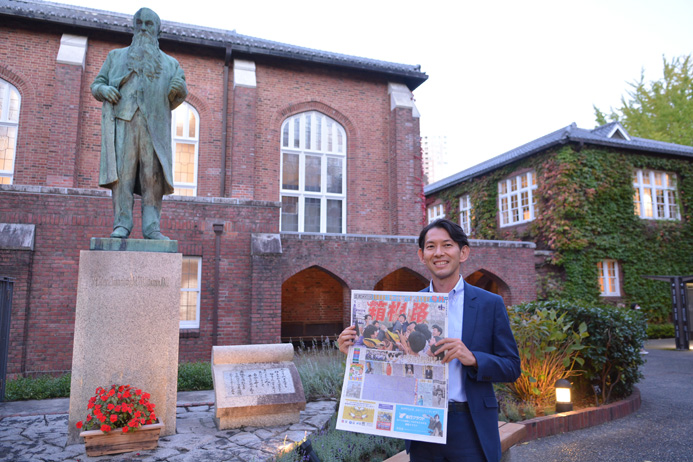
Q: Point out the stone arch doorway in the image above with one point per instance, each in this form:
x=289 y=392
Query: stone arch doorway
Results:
x=402 y=280
x=490 y=282
x=313 y=302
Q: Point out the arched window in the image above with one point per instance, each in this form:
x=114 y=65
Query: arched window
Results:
x=313 y=174
x=186 y=140
x=10 y=102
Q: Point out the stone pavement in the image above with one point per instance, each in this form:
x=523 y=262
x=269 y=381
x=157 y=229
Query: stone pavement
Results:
x=33 y=431
x=660 y=431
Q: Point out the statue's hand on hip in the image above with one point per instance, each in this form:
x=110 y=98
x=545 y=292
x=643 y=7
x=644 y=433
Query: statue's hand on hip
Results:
x=176 y=88
x=110 y=94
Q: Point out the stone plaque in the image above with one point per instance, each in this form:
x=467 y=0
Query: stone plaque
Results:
x=256 y=385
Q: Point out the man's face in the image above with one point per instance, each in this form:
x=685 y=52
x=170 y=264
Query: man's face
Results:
x=411 y=326
x=402 y=318
x=442 y=256
x=436 y=332
x=147 y=22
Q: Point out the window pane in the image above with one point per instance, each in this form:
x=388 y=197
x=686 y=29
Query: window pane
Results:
x=313 y=174
x=285 y=135
x=192 y=124
x=14 y=106
x=312 y=215
x=647 y=199
x=318 y=132
x=334 y=175
x=334 y=216
x=184 y=169
x=189 y=274
x=8 y=138
x=297 y=132
x=188 y=306
x=636 y=201
x=290 y=172
x=329 y=135
x=308 y=132
x=289 y=213
x=3 y=87
x=179 y=115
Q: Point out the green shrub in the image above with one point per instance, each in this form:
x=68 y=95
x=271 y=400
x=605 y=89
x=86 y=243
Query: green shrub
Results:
x=612 y=354
x=332 y=444
x=43 y=387
x=549 y=349
x=195 y=376
x=661 y=331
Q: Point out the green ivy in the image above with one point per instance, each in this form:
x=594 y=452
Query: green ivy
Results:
x=585 y=215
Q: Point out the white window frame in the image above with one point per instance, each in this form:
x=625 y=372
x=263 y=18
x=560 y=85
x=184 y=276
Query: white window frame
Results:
x=648 y=198
x=6 y=122
x=466 y=214
x=327 y=140
x=609 y=282
x=511 y=192
x=436 y=212
x=196 y=323
x=186 y=109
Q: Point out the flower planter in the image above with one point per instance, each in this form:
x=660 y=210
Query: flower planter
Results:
x=98 y=443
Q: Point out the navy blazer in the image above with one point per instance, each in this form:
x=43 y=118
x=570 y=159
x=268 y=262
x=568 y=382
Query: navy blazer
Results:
x=486 y=332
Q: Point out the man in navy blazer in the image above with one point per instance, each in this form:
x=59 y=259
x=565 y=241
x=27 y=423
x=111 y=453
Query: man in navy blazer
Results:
x=480 y=349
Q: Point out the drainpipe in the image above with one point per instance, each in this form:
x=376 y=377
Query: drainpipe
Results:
x=224 y=120
x=218 y=231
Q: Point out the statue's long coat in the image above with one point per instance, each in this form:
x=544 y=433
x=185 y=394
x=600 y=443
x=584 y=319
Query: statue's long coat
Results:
x=153 y=103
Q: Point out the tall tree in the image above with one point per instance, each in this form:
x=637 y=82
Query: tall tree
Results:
x=660 y=110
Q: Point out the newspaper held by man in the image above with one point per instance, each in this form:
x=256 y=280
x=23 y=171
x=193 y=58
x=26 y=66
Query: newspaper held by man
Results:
x=395 y=384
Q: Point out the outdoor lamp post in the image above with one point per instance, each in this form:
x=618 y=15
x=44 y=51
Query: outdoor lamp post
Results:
x=563 y=400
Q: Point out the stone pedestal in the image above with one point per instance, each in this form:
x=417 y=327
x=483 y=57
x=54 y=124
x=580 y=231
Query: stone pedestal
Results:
x=126 y=329
x=256 y=385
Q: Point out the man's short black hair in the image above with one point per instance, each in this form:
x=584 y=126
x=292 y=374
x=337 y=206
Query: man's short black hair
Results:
x=369 y=330
x=423 y=328
x=454 y=230
x=417 y=341
x=436 y=326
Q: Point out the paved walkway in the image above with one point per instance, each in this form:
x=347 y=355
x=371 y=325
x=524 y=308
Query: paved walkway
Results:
x=33 y=431
x=661 y=431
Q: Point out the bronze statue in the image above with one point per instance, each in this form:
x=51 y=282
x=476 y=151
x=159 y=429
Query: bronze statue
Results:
x=139 y=86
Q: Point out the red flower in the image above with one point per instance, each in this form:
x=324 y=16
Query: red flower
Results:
x=125 y=429
x=79 y=424
x=90 y=405
x=110 y=406
x=117 y=408
x=114 y=418
x=105 y=428
x=104 y=397
x=111 y=392
x=89 y=418
x=138 y=392
x=147 y=396
x=152 y=416
x=121 y=388
x=102 y=418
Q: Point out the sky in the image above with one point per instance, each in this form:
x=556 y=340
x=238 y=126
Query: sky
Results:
x=501 y=73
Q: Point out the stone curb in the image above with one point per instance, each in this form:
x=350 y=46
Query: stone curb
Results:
x=541 y=427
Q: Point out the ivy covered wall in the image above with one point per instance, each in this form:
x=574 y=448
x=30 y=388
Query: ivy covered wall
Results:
x=584 y=215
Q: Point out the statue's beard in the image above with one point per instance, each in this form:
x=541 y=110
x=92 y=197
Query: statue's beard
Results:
x=143 y=55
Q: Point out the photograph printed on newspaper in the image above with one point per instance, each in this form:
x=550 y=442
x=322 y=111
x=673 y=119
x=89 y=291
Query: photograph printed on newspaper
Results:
x=395 y=384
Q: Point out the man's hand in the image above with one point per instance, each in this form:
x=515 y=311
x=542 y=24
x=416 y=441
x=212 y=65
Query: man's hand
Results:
x=176 y=88
x=346 y=339
x=109 y=93
x=454 y=348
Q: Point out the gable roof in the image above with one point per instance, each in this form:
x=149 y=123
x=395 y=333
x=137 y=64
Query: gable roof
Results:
x=609 y=135
x=89 y=18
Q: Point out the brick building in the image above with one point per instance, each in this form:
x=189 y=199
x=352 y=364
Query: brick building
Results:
x=297 y=176
x=603 y=207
